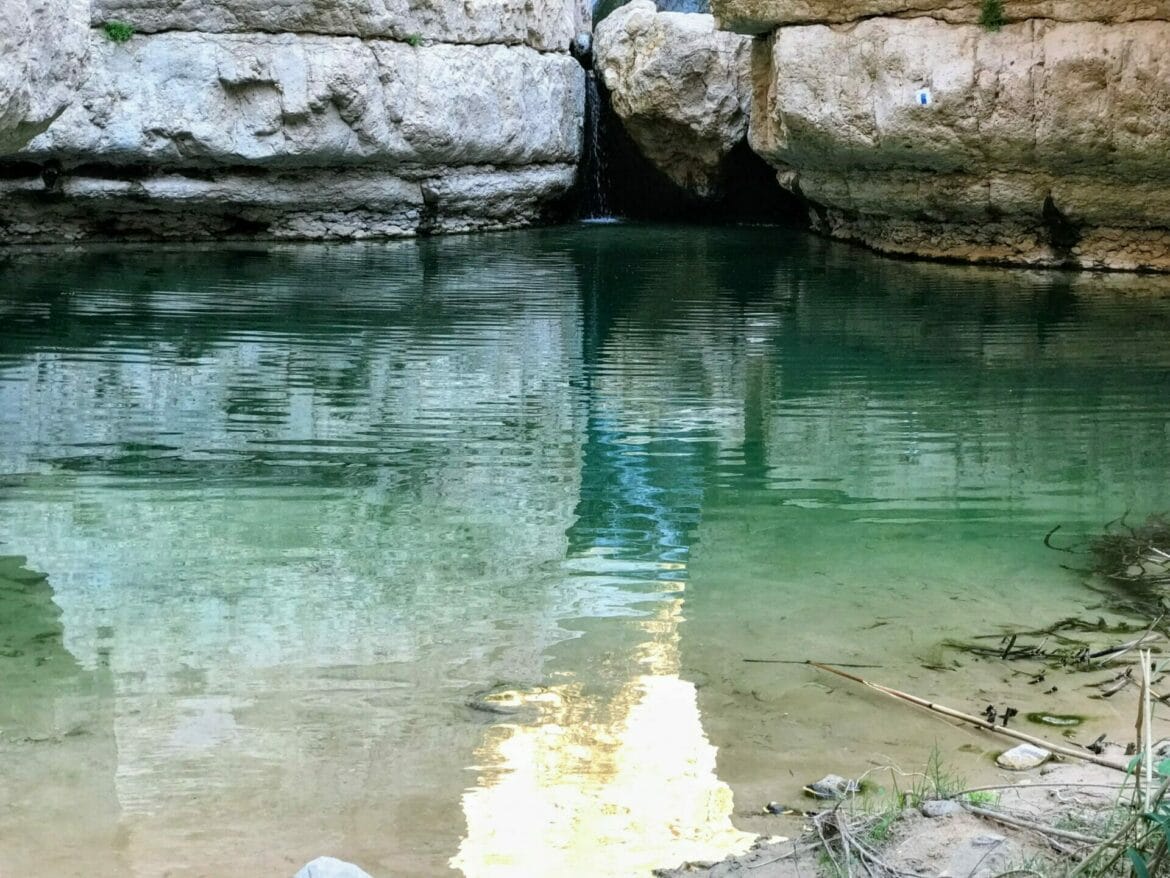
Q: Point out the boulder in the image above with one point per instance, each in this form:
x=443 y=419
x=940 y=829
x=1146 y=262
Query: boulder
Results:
x=680 y=87
x=44 y=46
x=1040 y=144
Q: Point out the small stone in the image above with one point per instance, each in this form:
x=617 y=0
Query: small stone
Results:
x=831 y=786
x=939 y=808
x=331 y=867
x=986 y=841
x=1023 y=757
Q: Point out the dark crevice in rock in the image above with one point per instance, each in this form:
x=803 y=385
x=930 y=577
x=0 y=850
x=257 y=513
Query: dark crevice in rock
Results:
x=636 y=189
x=18 y=170
x=1063 y=234
x=428 y=220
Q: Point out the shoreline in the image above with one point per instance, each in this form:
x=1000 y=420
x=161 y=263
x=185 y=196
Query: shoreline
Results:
x=1042 y=819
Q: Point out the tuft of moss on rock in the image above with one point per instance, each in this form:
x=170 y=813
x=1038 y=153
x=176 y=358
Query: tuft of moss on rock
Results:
x=991 y=15
x=117 y=31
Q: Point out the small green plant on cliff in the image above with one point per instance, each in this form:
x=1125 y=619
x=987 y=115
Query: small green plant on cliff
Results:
x=118 y=31
x=414 y=39
x=991 y=15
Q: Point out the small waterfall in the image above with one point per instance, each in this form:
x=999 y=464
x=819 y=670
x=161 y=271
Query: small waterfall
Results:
x=594 y=180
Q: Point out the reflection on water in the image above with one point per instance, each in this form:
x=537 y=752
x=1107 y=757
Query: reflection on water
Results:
x=301 y=508
x=567 y=793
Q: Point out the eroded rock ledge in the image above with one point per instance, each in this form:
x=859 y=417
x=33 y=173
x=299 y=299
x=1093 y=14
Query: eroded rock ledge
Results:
x=400 y=119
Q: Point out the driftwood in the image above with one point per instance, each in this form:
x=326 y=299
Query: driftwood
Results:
x=975 y=720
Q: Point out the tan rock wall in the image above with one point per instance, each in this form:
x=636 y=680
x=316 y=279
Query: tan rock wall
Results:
x=1043 y=143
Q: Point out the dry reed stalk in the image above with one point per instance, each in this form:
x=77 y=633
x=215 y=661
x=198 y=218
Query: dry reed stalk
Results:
x=975 y=721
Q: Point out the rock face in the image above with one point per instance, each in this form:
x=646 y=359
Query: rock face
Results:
x=681 y=89
x=222 y=125
x=43 y=48
x=909 y=127
x=1042 y=143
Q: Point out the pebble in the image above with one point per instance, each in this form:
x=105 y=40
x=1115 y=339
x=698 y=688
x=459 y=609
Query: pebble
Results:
x=986 y=841
x=331 y=867
x=939 y=808
x=1023 y=757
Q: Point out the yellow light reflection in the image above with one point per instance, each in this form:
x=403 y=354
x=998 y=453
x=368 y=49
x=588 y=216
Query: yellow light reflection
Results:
x=603 y=787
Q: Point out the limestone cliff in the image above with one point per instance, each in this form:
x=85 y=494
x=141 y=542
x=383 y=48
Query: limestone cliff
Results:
x=916 y=132
x=306 y=120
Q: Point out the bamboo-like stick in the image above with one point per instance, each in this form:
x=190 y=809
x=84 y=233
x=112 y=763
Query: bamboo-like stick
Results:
x=976 y=721
x=1146 y=746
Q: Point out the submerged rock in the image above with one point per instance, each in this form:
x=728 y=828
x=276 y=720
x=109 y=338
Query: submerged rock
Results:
x=1023 y=757
x=680 y=87
x=331 y=867
x=832 y=786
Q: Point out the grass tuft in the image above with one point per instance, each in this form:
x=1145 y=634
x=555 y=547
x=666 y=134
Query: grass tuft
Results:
x=118 y=31
x=991 y=16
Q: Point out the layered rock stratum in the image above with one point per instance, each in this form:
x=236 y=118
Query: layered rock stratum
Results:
x=681 y=88
x=910 y=129
x=242 y=118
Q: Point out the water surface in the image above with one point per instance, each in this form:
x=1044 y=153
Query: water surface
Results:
x=447 y=553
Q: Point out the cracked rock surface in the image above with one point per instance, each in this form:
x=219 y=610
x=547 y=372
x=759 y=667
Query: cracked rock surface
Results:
x=231 y=122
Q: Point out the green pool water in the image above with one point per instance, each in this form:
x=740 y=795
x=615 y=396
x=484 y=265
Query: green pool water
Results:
x=447 y=554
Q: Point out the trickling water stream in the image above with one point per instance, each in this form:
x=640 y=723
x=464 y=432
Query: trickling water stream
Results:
x=594 y=178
